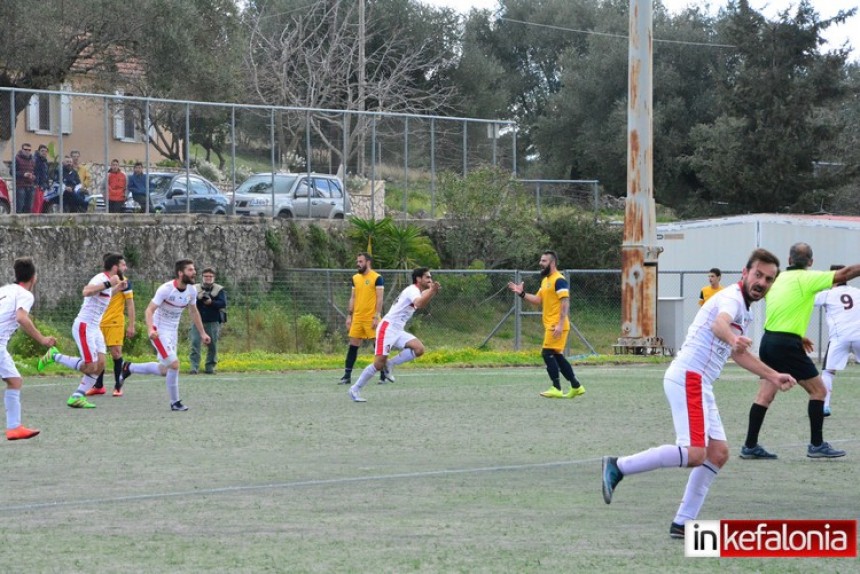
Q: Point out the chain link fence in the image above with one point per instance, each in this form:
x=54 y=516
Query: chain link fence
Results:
x=305 y=311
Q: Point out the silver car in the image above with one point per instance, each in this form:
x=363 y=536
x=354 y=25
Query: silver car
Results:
x=293 y=195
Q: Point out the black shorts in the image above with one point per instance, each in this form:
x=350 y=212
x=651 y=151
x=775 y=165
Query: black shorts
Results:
x=783 y=352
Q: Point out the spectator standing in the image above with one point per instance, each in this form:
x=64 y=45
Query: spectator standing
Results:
x=82 y=170
x=363 y=311
x=137 y=185
x=554 y=299
x=116 y=186
x=43 y=181
x=212 y=305
x=25 y=178
x=162 y=324
x=713 y=287
x=16 y=300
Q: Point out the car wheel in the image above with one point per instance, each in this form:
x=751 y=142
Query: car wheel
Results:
x=4 y=208
x=285 y=215
x=219 y=211
x=158 y=209
x=338 y=216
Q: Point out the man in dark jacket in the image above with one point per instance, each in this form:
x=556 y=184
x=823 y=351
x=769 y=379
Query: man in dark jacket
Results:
x=24 y=179
x=211 y=302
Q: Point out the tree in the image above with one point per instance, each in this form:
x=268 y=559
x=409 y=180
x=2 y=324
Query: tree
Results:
x=43 y=45
x=759 y=153
x=308 y=56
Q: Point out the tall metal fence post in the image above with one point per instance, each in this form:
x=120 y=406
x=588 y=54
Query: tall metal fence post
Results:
x=518 y=318
x=432 y=167
x=465 y=148
x=405 y=165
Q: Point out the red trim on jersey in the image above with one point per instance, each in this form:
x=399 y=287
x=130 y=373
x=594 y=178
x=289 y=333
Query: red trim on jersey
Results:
x=380 y=338
x=162 y=352
x=695 y=408
x=85 y=348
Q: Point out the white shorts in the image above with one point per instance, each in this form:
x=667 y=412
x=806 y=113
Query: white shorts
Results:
x=389 y=337
x=8 y=370
x=694 y=409
x=90 y=341
x=836 y=357
x=165 y=347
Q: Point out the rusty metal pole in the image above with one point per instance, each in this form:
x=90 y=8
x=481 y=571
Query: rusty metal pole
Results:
x=639 y=250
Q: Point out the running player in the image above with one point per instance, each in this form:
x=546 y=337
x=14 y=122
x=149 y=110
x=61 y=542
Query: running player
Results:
x=16 y=300
x=842 y=308
x=391 y=333
x=363 y=311
x=162 y=324
x=87 y=332
x=718 y=331
x=115 y=330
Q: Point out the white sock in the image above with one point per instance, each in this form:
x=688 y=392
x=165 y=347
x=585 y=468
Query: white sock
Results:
x=12 y=400
x=172 y=384
x=665 y=456
x=697 y=489
x=365 y=376
x=827 y=378
x=144 y=368
x=87 y=382
x=73 y=363
x=405 y=356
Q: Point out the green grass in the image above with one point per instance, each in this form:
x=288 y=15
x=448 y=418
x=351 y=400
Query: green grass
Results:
x=446 y=470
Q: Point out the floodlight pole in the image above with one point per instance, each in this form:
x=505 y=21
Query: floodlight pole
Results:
x=639 y=250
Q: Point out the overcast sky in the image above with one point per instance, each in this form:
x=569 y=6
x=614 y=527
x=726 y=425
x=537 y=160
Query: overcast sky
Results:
x=838 y=34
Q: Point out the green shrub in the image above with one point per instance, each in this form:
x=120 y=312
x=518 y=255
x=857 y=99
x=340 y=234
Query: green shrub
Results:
x=310 y=333
x=22 y=345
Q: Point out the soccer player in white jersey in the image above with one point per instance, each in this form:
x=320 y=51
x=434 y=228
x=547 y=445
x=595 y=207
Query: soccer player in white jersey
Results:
x=16 y=300
x=842 y=308
x=718 y=331
x=86 y=330
x=162 y=324
x=391 y=333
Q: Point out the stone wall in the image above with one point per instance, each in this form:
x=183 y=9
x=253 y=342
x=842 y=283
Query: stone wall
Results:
x=68 y=246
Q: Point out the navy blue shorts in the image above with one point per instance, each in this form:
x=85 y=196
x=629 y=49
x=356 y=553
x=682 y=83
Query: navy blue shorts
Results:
x=783 y=352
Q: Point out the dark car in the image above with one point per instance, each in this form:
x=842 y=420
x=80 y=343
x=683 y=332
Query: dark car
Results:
x=5 y=202
x=168 y=193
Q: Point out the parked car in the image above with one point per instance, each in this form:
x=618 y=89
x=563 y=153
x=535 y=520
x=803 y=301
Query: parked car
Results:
x=295 y=195
x=168 y=193
x=5 y=202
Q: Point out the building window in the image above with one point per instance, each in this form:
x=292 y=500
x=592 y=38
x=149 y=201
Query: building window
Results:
x=46 y=111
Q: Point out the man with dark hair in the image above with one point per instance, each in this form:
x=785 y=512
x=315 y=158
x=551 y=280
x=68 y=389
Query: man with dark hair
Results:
x=25 y=179
x=718 y=331
x=115 y=329
x=212 y=305
x=554 y=299
x=86 y=330
x=391 y=332
x=137 y=186
x=162 y=324
x=784 y=348
x=713 y=287
x=364 y=310
x=16 y=300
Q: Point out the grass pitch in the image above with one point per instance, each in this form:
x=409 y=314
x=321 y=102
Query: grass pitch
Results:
x=446 y=470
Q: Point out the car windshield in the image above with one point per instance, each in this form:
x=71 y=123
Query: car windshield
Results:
x=262 y=184
x=160 y=183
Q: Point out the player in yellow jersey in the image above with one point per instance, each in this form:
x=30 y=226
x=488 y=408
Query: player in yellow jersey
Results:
x=115 y=329
x=554 y=298
x=363 y=311
x=713 y=287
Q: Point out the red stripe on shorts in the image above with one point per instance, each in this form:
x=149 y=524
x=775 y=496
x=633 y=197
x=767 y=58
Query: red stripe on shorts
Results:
x=380 y=338
x=85 y=348
x=695 y=408
x=162 y=352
